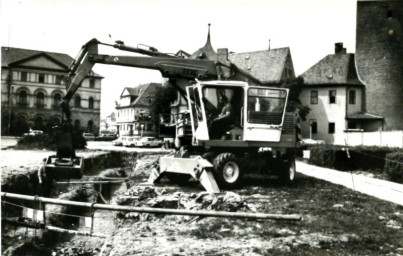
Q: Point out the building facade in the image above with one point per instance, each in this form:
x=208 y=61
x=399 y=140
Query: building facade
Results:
x=379 y=58
x=336 y=98
x=135 y=111
x=108 y=124
x=32 y=88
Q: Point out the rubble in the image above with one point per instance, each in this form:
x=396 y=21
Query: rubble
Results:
x=148 y=196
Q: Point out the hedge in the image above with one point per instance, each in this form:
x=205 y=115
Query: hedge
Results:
x=45 y=141
x=353 y=158
x=394 y=166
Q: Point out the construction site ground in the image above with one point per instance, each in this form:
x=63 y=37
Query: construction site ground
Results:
x=336 y=220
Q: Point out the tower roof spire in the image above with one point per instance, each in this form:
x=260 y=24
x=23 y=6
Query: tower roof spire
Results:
x=207 y=51
x=208 y=34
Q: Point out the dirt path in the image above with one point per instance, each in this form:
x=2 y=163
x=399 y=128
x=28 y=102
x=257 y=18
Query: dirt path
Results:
x=385 y=190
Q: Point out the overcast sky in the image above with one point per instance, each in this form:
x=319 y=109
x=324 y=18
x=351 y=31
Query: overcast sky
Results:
x=309 y=27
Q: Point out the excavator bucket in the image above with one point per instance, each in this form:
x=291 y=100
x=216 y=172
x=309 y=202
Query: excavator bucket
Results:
x=64 y=168
x=198 y=167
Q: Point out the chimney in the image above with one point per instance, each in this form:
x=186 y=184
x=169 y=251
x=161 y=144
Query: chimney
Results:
x=222 y=54
x=338 y=48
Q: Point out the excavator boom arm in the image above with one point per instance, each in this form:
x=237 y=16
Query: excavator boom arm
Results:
x=180 y=69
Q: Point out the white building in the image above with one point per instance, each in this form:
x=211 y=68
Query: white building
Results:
x=135 y=115
x=336 y=98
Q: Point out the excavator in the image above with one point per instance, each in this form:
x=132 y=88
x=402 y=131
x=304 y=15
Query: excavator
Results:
x=258 y=134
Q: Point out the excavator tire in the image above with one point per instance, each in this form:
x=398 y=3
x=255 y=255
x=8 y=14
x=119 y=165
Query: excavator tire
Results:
x=287 y=171
x=228 y=170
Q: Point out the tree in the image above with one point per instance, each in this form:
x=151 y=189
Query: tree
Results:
x=164 y=96
x=294 y=103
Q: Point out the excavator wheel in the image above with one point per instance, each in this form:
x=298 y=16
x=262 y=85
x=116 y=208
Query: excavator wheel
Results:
x=287 y=171
x=228 y=170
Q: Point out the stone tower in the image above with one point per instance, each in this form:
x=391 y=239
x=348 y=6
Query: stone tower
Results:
x=379 y=58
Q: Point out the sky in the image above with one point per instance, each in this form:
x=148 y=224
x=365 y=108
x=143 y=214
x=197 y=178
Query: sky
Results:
x=309 y=27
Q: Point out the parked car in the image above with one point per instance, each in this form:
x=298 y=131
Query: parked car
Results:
x=149 y=142
x=107 y=137
x=33 y=133
x=88 y=136
x=119 y=141
x=131 y=141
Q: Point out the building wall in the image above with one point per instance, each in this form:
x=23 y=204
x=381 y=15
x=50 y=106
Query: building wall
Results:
x=47 y=109
x=379 y=54
x=358 y=106
x=324 y=112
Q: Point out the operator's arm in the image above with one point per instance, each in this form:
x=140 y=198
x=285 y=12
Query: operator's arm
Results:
x=226 y=113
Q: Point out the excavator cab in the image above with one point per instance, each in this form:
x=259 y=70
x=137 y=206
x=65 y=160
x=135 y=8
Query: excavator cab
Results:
x=257 y=113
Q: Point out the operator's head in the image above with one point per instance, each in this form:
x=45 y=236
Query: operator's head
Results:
x=223 y=98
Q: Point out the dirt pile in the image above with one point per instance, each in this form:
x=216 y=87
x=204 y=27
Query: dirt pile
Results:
x=145 y=196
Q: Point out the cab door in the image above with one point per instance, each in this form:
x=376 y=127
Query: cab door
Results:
x=197 y=113
x=264 y=113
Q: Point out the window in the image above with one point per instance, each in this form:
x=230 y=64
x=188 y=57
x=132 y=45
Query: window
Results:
x=351 y=97
x=90 y=126
x=332 y=127
x=92 y=83
x=40 y=100
x=22 y=99
x=24 y=76
x=314 y=126
x=59 y=79
x=77 y=123
x=77 y=102
x=41 y=78
x=332 y=96
x=38 y=123
x=91 y=103
x=351 y=125
x=314 y=97
x=56 y=101
x=266 y=106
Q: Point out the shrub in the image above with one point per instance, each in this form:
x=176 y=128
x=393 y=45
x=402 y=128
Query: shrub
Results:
x=361 y=157
x=329 y=156
x=45 y=141
x=40 y=141
x=366 y=158
x=394 y=166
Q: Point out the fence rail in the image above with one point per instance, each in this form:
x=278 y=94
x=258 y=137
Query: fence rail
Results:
x=381 y=139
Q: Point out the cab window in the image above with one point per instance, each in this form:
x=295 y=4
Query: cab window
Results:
x=266 y=106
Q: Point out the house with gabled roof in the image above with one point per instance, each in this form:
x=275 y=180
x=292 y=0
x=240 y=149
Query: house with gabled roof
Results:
x=135 y=116
x=270 y=67
x=32 y=87
x=336 y=98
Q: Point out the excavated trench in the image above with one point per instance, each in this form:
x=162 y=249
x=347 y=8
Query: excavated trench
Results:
x=113 y=166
